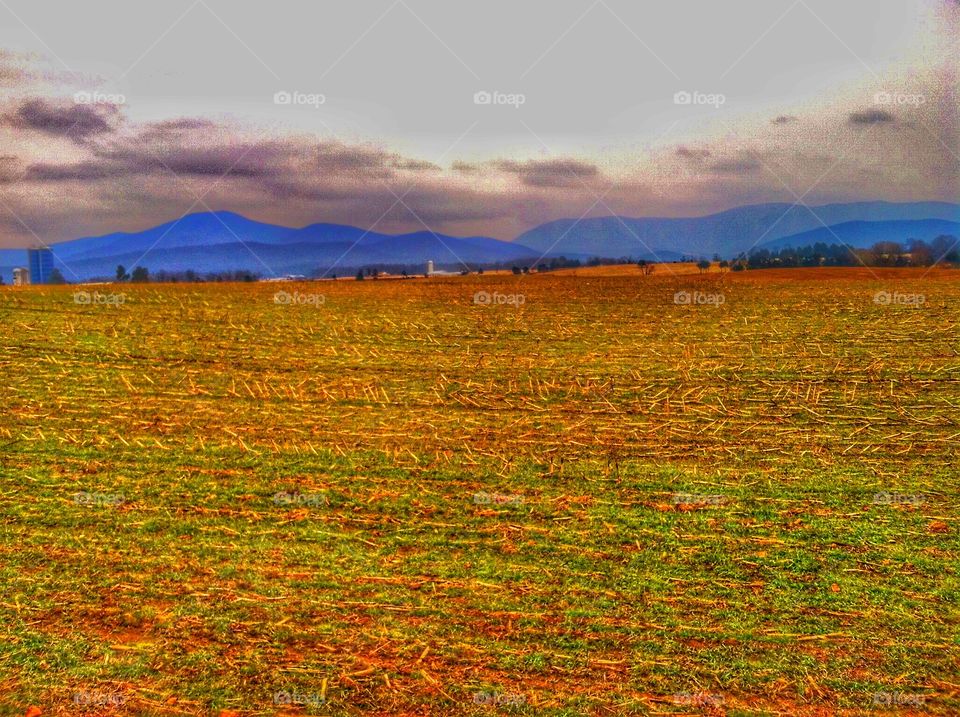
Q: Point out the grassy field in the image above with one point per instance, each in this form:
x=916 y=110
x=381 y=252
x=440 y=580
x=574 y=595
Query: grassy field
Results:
x=578 y=498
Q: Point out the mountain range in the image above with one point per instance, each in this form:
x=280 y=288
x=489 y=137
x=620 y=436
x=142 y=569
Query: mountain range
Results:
x=864 y=234
x=727 y=233
x=225 y=241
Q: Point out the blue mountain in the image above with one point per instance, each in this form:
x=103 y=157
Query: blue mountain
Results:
x=861 y=235
x=225 y=241
x=727 y=233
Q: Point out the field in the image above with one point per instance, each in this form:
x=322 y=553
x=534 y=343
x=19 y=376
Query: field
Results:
x=578 y=498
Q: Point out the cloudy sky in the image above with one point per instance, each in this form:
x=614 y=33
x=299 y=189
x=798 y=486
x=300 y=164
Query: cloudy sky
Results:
x=466 y=118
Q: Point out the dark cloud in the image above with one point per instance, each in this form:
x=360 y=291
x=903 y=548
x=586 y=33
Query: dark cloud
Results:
x=9 y=168
x=175 y=129
x=285 y=187
x=72 y=121
x=871 y=116
x=354 y=161
x=464 y=167
x=80 y=171
x=140 y=155
x=736 y=166
x=551 y=173
x=693 y=154
x=249 y=161
x=442 y=205
x=415 y=165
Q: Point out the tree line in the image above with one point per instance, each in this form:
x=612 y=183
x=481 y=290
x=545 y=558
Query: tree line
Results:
x=944 y=249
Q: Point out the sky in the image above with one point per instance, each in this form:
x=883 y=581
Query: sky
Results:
x=466 y=118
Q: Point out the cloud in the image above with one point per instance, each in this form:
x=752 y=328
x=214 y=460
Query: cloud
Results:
x=175 y=129
x=871 y=116
x=68 y=120
x=736 y=166
x=461 y=167
x=79 y=171
x=415 y=165
x=16 y=68
x=697 y=155
x=197 y=150
x=551 y=173
x=354 y=161
x=9 y=168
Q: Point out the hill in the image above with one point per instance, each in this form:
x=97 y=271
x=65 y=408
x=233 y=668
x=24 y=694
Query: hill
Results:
x=225 y=241
x=728 y=233
x=861 y=235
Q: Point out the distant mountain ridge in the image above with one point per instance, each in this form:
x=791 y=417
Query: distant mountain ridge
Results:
x=226 y=241
x=727 y=233
x=861 y=235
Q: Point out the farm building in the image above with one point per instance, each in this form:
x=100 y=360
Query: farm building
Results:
x=40 y=262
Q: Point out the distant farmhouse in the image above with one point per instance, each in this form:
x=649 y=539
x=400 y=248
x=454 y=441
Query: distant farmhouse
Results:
x=21 y=276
